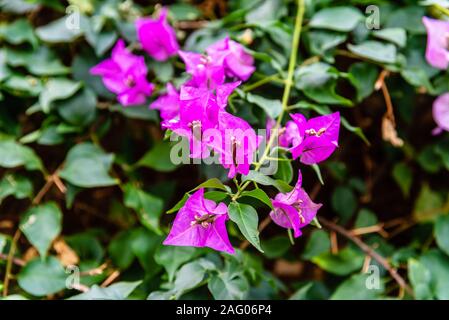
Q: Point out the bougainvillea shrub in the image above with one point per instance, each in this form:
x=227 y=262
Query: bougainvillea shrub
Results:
x=261 y=149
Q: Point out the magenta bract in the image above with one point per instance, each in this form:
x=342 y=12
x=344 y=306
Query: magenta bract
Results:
x=437 y=51
x=168 y=104
x=318 y=137
x=294 y=210
x=232 y=56
x=201 y=223
x=125 y=75
x=441 y=113
x=157 y=37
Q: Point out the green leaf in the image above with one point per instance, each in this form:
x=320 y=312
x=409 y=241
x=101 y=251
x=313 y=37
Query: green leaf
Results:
x=15 y=185
x=317 y=244
x=267 y=181
x=345 y=262
x=158 y=158
x=148 y=207
x=337 y=18
x=216 y=196
x=344 y=202
x=57 y=31
x=428 y=205
x=365 y=218
x=322 y=41
x=185 y=11
x=189 y=276
x=18 y=32
x=116 y=291
x=172 y=257
x=80 y=109
x=13 y=154
x=41 y=62
x=213 y=183
x=42 y=277
x=227 y=286
x=272 y=107
x=420 y=279
x=363 y=77
x=144 y=246
x=442 y=233
x=326 y=94
x=284 y=170
x=41 y=225
x=57 y=89
x=247 y=220
x=276 y=247
x=403 y=176
x=438 y=264
x=258 y=194
x=314 y=75
x=398 y=36
x=119 y=251
x=21 y=85
x=356 y=130
x=87 y=166
x=317 y=170
x=376 y=51
x=356 y=288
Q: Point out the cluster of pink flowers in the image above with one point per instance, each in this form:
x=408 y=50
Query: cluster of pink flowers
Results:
x=125 y=74
x=437 y=55
x=197 y=111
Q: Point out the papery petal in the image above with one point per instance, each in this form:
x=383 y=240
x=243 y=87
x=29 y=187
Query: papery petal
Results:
x=441 y=111
x=157 y=37
x=184 y=233
x=287 y=217
x=168 y=104
x=437 y=51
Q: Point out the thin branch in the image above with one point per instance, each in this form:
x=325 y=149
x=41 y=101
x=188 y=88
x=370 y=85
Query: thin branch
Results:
x=17 y=261
x=110 y=279
x=369 y=251
x=9 y=261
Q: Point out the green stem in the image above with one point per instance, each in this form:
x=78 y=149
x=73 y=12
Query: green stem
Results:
x=287 y=90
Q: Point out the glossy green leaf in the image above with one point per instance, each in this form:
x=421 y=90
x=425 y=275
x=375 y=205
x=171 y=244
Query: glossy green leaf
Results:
x=247 y=220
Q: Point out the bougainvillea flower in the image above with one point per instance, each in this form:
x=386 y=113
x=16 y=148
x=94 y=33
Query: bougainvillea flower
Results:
x=201 y=223
x=125 y=75
x=167 y=104
x=220 y=94
x=195 y=117
x=437 y=52
x=205 y=72
x=157 y=37
x=288 y=135
x=318 y=137
x=294 y=210
x=237 y=144
x=441 y=113
x=232 y=56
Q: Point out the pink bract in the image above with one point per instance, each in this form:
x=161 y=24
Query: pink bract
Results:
x=157 y=37
x=318 y=137
x=437 y=51
x=168 y=104
x=201 y=223
x=237 y=63
x=294 y=210
x=125 y=75
x=441 y=113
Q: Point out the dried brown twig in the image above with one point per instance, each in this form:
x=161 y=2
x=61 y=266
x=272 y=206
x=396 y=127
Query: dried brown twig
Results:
x=369 y=251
